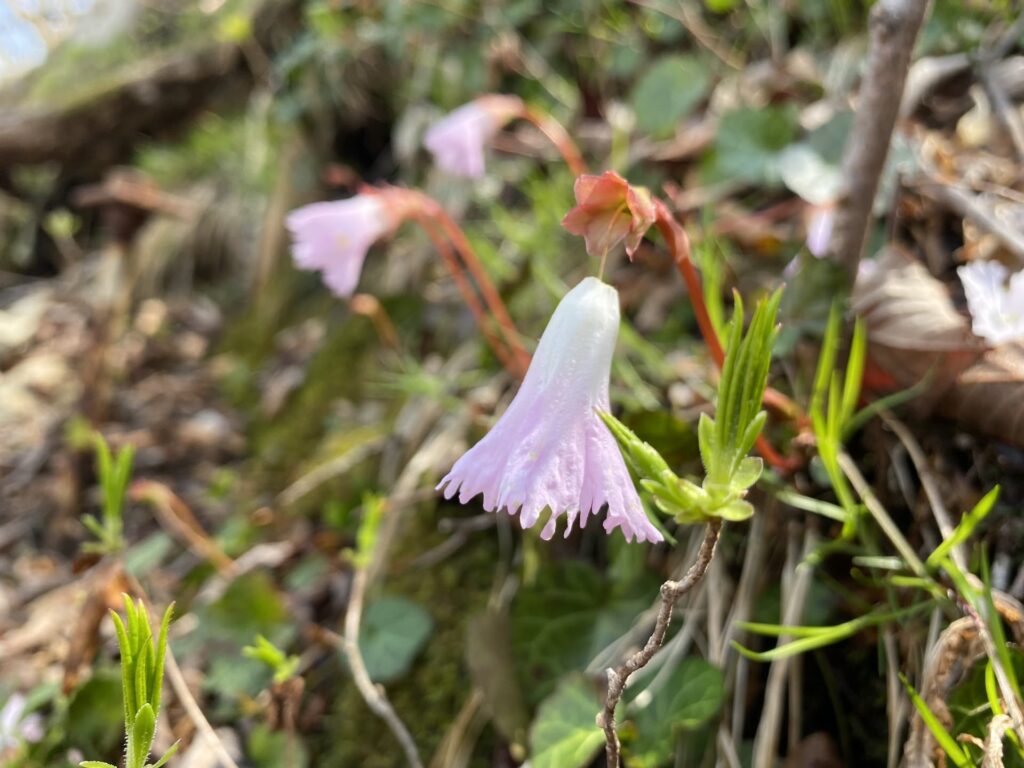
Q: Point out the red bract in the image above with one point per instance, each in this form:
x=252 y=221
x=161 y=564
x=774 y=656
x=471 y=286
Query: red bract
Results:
x=608 y=210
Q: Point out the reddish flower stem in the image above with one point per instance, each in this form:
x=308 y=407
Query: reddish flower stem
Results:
x=679 y=244
x=555 y=132
x=506 y=356
x=520 y=358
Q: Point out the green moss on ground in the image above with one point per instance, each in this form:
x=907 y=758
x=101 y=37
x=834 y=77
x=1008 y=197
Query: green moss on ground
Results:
x=429 y=698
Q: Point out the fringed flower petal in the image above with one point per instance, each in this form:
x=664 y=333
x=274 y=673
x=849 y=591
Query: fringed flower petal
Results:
x=550 y=450
x=334 y=238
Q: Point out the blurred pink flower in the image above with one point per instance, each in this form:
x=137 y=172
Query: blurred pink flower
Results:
x=550 y=449
x=820 y=221
x=996 y=306
x=334 y=237
x=458 y=139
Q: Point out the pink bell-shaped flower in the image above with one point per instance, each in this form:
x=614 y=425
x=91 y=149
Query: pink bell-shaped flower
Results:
x=550 y=449
x=458 y=139
x=334 y=237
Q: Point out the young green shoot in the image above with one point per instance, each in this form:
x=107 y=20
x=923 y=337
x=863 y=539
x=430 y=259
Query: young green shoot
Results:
x=114 y=472
x=725 y=440
x=281 y=664
x=142 y=677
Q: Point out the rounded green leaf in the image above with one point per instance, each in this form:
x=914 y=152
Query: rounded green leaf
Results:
x=688 y=698
x=393 y=631
x=564 y=733
x=668 y=92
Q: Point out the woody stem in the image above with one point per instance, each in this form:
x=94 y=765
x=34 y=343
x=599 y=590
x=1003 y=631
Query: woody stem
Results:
x=555 y=132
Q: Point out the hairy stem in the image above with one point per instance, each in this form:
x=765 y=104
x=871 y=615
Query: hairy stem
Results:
x=671 y=591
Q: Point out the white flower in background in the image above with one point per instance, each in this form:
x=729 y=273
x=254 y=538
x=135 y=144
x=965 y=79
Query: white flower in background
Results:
x=995 y=303
x=15 y=727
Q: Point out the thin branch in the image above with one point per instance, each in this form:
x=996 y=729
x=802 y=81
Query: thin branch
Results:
x=928 y=482
x=968 y=206
x=1005 y=111
x=373 y=695
x=671 y=591
x=894 y=25
x=195 y=714
x=881 y=516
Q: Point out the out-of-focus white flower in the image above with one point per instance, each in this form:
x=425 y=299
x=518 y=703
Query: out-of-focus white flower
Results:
x=15 y=727
x=995 y=303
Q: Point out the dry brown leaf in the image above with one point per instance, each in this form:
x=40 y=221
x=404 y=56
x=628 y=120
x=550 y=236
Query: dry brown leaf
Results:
x=913 y=328
x=989 y=396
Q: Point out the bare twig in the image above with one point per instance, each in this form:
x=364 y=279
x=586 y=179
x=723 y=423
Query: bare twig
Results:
x=881 y=516
x=967 y=205
x=671 y=591
x=1005 y=111
x=893 y=29
x=195 y=714
x=373 y=695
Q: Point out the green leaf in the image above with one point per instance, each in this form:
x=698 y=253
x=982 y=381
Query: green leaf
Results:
x=964 y=528
x=748 y=473
x=141 y=737
x=271 y=749
x=735 y=511
x=668 y=92
x=167 y=755
x=690 y=696
x=564 y=733
x=95 y=764
x=568 y=615
x=95 y=715
x=392 y=632
x=749 y=142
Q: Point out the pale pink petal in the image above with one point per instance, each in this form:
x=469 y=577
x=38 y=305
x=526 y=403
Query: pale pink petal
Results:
x=550 y=450
x=458 y=140
x=819 y=229
x=334 y=238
